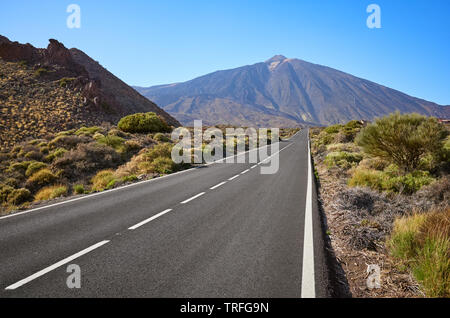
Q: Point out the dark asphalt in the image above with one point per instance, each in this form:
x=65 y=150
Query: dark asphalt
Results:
x=242 y=239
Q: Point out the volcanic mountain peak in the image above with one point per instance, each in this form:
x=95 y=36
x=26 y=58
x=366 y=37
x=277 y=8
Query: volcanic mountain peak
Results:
x=276 y=58
x=284 y=92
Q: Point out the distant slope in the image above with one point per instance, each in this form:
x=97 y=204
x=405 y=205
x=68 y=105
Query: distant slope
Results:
x=283 y=92
x=48 y=90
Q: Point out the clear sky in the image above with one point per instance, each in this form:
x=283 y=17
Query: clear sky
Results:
x=157 y=42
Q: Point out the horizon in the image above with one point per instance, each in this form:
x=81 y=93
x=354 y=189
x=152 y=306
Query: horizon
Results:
x=336 y=34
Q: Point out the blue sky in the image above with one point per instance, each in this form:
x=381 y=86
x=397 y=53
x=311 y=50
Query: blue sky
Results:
x=156 y=42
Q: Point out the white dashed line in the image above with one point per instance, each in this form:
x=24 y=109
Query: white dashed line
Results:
x=245 y=171
x=55 y=266
x=134 y=227
x=252 y=167
x=193 y=198
x=218 y=185
x=232 y=178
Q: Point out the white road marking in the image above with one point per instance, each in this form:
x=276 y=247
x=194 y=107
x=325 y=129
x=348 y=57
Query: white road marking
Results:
x=252 y=167
x=193 y=198
x=55 y=266
x=245 y=171
x=134 y=227
x=232 y=178
x=218 y=185
x=308 y=278
x=274 y=154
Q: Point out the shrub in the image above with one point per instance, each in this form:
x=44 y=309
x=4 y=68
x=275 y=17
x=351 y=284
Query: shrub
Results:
x=162 y=165
x=87 y=159
x=104 y=179
x=342 y=159
x=19 y=196
x=41 y=178
x=161 y=137
x=57 y=153
x=51 y=192
x=88 y=131
x=19 y=166
x=334 y=129
x=78 y=189
x=422 y=243
x=143 y=123
x=159 y=150
x=367 y=178
x=34 y=167
x=113 y=141
x=388 y=180
x=5 y=190
x=68 y=142
x=409 y=183
x=403 y=139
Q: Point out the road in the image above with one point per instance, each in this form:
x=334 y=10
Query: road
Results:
x=222 y=230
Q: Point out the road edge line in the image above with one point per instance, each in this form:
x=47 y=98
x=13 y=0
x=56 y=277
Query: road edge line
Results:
x=308 y=276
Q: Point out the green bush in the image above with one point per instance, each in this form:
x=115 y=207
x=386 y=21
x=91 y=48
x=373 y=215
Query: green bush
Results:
x=159 y=150
x=88 y=131
x=161 y=137
x=57 y=153
x=389 y=180
x=78 y=189
x=113 y=141
x=41 y=178
x=104 y=179
x=343 y=159
x=51 y=192
x=421 y=242
x=143 y=123
x=19 y=196
x=5 y=190
x=367 y=178
x=334 y=129
x=163 y=165
x=34 y=167
x=19 y=166
x=403 y=139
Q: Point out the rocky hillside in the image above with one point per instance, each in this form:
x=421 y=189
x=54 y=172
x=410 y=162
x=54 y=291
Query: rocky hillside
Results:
x=53 y=89
x=283 y=92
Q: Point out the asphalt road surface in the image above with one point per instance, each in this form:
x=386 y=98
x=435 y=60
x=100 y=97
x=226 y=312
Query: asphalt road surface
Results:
x=221 y=230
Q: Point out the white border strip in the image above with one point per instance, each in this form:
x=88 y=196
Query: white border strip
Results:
x=55 y=266
x=308 y=277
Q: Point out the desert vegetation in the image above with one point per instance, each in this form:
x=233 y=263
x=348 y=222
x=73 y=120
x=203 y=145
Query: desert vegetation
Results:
x=88 y=159
x=80 y=161
x=383 y=185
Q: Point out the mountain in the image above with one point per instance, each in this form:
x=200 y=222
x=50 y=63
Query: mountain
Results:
x=47 y=90
x=283 y=92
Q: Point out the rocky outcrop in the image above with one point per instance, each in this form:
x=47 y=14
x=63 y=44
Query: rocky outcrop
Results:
x=97 y=86
x=53 y=89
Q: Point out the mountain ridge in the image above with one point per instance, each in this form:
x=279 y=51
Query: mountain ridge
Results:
x=283 y=91
x=46 y=90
